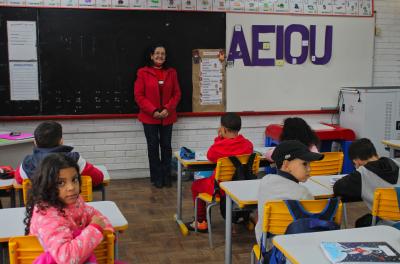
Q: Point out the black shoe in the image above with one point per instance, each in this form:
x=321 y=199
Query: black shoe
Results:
x=168 y=183
x=158 y=185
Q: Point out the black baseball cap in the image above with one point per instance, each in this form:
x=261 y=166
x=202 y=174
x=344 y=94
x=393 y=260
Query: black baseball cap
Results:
x=293 y=149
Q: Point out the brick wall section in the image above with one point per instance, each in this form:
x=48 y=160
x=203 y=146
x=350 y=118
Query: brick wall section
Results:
x=120 y=144
x=387 y=43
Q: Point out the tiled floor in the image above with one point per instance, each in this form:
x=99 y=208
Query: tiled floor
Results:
x=153 y=236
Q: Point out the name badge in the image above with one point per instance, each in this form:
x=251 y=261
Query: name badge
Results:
x=161 y=82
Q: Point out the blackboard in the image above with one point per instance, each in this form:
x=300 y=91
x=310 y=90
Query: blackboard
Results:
x=88 y=58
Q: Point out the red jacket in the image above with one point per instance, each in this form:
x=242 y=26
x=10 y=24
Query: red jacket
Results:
x=225 y=147
x=148 y=98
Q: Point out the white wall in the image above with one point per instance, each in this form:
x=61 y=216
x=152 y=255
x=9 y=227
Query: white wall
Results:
x=387 y=43
x=299 y=86
x=121 y=146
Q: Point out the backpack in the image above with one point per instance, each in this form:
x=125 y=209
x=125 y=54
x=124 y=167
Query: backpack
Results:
x=303 y=222
x=242 y=172
x=6 y=172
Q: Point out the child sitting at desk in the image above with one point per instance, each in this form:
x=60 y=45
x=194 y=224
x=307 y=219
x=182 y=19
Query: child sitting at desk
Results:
x=68 y=229
x=371 y=172
x=292 y=159
x=295 y=128
x=227 y=143
x=48 y=139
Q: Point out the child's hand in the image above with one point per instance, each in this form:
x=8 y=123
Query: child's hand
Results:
x=98 y=221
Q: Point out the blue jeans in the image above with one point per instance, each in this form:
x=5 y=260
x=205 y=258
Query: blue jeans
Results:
x=159 y=137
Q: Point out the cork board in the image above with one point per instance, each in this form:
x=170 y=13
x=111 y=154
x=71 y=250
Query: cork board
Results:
x=208 y=77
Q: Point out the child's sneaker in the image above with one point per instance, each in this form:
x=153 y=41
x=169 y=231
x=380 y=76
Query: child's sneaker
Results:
x=201 y=226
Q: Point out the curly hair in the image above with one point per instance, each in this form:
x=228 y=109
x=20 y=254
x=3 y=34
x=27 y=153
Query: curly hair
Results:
x=44 y=193
x=295 y=128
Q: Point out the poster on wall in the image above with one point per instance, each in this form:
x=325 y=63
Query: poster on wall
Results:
x=70 y=3
x=297 y=6
x=188 y=4
x=171 y=4
x=311 y=7
x=208 y=77
x=221 y=5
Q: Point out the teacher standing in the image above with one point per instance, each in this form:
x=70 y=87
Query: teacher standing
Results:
x=157 y=94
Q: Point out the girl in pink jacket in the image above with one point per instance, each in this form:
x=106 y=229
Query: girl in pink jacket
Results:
x=68 y=229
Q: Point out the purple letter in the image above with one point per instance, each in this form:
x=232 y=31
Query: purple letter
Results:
x=257 y=29
x=239 y=40
x=279 y=42
x=304 y=48
x=328 y=46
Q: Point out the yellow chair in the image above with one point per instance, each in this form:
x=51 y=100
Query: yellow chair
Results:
x=332 y=163
x=86 y=189
x=25 y=249
x=276 y=218
x=223 y=172
x=385 y=205
x=26 y=185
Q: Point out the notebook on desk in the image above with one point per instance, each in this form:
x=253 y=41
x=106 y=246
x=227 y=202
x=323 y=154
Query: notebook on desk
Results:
x=15 y=136
x=201 y=155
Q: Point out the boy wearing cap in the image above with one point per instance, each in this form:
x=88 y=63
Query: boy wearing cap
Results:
x=292 y=159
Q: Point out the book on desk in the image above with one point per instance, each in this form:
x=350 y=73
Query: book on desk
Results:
x=360 y=252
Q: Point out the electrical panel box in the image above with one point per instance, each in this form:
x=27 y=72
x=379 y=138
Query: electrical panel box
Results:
x=372 y=112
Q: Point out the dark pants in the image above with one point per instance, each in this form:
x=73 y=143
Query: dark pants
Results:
x=159 y=137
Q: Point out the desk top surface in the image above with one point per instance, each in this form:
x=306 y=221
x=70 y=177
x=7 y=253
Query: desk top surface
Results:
x=203 y=156
x=305 y=248
x=323 y=131
x=11 y=219
x=244 y=193
x=392 y=143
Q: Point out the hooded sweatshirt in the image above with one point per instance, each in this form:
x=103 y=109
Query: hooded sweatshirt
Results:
x=31 y=162
x=361 y=184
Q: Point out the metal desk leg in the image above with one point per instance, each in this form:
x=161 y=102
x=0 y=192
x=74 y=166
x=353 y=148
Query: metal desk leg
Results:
x=116 y=255
x=12 y=198
x=392 y=151
x=179 y=192
x=178 y=215
x=228 y=231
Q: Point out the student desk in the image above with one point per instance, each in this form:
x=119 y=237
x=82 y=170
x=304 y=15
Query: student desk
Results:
x=101 y=187
x=11 y=220
x=199 y=165
x=393 y=145
x=106 y=181
x=305 y=248
x=326 y=133
x=12 y=152
x=244 y=193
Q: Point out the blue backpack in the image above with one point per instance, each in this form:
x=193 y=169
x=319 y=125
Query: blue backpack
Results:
x=303 y=222
x=397 y=224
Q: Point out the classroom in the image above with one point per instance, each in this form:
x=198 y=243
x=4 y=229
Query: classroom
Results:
x=93 y=66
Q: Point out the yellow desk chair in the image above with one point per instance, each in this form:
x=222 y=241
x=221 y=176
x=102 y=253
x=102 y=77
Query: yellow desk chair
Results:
x=331 y=164
x=276 y=218
x=86 y=189
x=25 y=249
x=385 y=205
x=223 y=172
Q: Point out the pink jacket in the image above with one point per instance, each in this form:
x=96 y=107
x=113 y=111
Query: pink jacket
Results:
x=55 y=232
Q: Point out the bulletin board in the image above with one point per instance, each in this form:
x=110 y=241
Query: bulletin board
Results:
x=208 y=75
